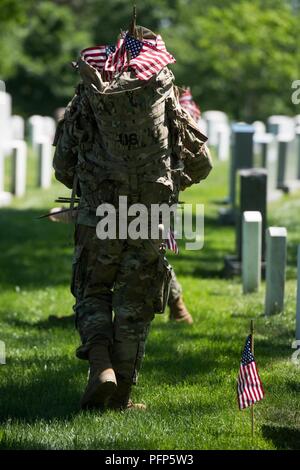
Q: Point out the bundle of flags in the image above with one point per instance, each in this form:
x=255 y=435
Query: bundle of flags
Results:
x=189 y=105
x=145 y=58
x=249 y=386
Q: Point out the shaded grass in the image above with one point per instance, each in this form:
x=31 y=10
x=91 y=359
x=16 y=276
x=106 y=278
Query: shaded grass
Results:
x=189 y=375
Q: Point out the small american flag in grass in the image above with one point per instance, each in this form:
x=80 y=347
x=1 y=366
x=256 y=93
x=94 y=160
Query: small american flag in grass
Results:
x=249 y=386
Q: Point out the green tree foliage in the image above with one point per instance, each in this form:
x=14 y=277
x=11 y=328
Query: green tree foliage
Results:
x=12 y=19
x=237 y=55
x=43 y=78
x=243 y=57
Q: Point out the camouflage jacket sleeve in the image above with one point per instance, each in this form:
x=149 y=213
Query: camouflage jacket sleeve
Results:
x=188 y=144
x=66 y=143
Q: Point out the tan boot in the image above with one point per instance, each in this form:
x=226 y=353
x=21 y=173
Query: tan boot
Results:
x=179 y=312
x=120 y=399
x=102 y=381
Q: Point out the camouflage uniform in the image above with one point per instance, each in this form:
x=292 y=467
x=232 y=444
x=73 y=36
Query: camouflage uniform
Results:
x=175 y=289
x=123 y=139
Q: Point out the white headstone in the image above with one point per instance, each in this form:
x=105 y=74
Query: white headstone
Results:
x=297 y=120
x=45 y=163
x=5 y=197
x=276 y=241
x=49 y=128
x=259 y=128
x=18 y=126
x=213 y=120
x=41 y=128
x=2 y=353
x=223 y=138
x=298 y=300
x=2 y=86
x=5 y=122
x=281 y=124
x=36 y=129
x=19 y=167
x=202 y=126
x=251 y=251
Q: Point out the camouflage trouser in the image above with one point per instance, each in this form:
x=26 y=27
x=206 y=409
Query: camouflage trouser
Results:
x=175 y=289
x=114 y=276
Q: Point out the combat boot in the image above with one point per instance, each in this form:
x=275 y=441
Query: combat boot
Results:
x=102 y=381
x=179 y=312
x=120 y=400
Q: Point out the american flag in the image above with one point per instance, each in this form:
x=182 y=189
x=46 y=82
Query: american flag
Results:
x=147 y=59
x=171 y=242
x=187 y=103
x=249 y=386
x=97 y=55
x=158 y=43
x=116 y=62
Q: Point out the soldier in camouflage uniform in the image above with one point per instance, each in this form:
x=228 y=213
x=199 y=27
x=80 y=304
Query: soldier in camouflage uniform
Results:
x=122 y=138
x=178 y=311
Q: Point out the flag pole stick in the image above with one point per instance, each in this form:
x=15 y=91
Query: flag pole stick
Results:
x=252 y=350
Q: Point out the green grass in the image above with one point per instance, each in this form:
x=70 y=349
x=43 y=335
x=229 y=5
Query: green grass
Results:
x=188 y=379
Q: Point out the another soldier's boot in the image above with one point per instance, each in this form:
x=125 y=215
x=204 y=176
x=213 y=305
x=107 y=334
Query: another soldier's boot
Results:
x=120 y=400
x=102 y=381
x=179 y=312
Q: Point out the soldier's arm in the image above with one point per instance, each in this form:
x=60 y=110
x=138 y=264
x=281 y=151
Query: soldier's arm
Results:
x=66 y=143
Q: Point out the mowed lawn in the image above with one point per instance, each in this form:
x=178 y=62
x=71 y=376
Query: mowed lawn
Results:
x=188 y=379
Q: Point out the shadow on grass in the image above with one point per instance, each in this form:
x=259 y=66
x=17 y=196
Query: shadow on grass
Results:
x=47 y=389
x=32 y=250
x=212 y=354
x=64 y=321
x=283 y=437
x=24 y=444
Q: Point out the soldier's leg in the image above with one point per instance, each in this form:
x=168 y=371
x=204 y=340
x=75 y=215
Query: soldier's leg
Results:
x=94 y=272
x=133 y=307
x=178 y=310
x=175 y=289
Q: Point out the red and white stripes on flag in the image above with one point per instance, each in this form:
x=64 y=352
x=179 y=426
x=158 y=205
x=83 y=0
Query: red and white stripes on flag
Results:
x=171 y=242
x=116 y=62
x=97 y=57
x=187 y=103
x=158 y=43
x=249 y=386
x=146 y=58
x=150 y=61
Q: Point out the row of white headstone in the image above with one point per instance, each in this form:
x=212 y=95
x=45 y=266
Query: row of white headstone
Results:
x=276 y=248
x=276 y=253
x=217 y=127
x=41 y=130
